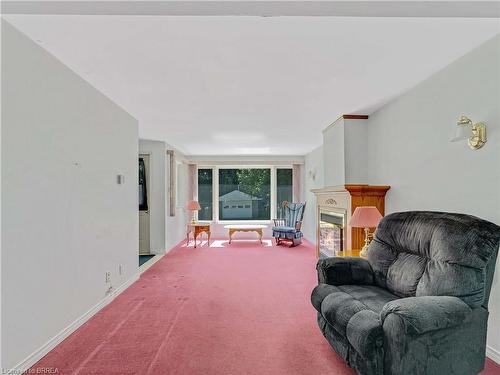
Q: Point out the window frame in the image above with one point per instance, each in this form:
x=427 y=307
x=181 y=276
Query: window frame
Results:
x=276 y=187
x=198 y=167
x=215 y=190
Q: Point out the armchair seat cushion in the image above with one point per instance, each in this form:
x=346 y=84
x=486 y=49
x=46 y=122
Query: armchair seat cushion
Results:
x=339 y=304
x=285 y=229
x=286 y=232
x=373 y=297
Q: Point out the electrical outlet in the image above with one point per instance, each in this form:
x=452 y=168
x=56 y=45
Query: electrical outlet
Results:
x=120 y=269
x=108 y=277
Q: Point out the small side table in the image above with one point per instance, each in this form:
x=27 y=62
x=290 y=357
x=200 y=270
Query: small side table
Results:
x=197 y=229
x=349 y=253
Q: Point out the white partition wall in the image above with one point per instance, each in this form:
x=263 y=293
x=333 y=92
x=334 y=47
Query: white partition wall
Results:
x=70 y=221
x=410 y=149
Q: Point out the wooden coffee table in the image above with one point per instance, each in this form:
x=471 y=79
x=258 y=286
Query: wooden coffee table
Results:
x=233 y=228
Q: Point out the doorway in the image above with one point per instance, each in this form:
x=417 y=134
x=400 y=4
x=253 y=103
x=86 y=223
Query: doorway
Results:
x=144 y=205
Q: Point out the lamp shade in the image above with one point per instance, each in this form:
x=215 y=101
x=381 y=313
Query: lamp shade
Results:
x=365 y=217
x=193 y=206
x=463 y=130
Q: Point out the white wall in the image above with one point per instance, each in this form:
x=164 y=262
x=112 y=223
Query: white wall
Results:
x=356 y=150
x=334 y=154
x=1 y=194
x=314 y=164
x=157 y=192
x=246 y=160
x=409 y=148
x=345 y=148
x=66 y=220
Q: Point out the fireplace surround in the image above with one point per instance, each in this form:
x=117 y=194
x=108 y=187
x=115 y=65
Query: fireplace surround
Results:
x=334 y=207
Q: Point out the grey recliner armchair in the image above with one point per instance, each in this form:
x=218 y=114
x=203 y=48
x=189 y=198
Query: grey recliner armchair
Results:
x=419 y=303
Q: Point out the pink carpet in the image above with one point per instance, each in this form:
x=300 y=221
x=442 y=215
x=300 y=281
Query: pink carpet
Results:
x=229 y=309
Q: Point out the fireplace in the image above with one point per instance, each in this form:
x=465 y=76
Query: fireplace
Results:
x=334 y=205
x=331 y=232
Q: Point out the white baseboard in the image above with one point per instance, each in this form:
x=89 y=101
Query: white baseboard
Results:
x=155 y=252
x=53 y=342
x=493 y=354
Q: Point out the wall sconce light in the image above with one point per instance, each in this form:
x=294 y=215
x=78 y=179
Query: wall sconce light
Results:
x=474 y=133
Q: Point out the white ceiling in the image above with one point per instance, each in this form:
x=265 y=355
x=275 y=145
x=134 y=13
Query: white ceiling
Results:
x=337 y=8
x=251 y=85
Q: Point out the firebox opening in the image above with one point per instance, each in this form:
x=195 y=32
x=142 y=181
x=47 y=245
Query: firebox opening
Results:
x=331 y=233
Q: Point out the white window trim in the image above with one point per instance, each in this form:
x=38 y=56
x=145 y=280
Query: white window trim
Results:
x=196 y=192
x=215 y=191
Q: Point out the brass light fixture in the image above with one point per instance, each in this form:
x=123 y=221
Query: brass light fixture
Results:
x=474 y=133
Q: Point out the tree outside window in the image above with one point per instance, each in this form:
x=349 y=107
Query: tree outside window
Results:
x=247 y=193
x=205 y=179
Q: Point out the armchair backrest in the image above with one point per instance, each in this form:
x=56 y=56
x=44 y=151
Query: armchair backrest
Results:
x=293 y=212
x=424 y=253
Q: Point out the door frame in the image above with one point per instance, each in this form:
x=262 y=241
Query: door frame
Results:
x=147 y=155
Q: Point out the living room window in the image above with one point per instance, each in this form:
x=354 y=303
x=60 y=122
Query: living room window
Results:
x=244 y=194
x=205 y=193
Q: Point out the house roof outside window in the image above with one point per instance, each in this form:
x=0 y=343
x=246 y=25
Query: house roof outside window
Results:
x=237 y=195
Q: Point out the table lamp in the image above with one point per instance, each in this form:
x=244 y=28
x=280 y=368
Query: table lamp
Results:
x=193 y=206
x=365 y=217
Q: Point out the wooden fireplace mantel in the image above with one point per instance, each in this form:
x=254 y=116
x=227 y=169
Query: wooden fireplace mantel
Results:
x=367 y=190
x=354 y=189
x=346 y=198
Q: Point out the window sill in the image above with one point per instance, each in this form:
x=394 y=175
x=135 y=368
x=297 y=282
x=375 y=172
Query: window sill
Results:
x=205 y=221
x=229 y=222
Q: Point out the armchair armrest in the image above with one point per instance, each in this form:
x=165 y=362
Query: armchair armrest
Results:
x=298 y=224
x=364 y=332
x=344 y=270
x=419 y=315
